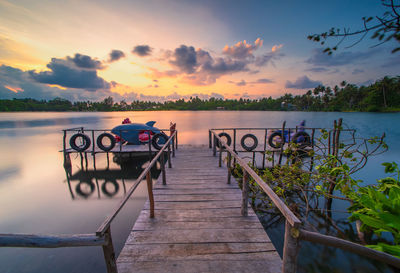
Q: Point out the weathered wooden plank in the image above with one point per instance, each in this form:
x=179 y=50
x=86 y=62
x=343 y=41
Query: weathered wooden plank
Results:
x=231 y=223
x=197 y=197
x=200 y=236
x=270 y=265
x=193 y=191
x=196 y=205
x=193 y=214
x=205 y=251
x=50 y=241
x=197 y=186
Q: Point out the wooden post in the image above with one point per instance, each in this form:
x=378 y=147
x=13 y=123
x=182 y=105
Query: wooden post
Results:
x=169 y=156
x=150 y=191
x=64 y=139
x=265 y=148
x=215 y=146
x=173 y=148
x=229 y=167
x=94 y=145
x=164 y=179
x=245 y=193
x=220 y=155
x=283 y=143
x=109 y=253
x=176 y=140
x=234 y=140
x=150 y=154
x=290 y=249
x=209 y=139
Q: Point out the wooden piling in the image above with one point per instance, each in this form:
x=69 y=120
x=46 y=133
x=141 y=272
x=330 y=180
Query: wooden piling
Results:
x=245 y=193
x=290 y=249
x=150 y=191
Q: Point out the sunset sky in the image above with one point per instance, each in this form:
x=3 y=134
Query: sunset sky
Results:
x=171 y=49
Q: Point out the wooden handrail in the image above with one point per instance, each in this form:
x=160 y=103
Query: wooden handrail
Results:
x=287 y=213
x=292 y=231
x=50 y=241
x=103 y=227
x=316 y=237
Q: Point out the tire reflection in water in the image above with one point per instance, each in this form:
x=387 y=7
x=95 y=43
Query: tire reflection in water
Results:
x=106 y=177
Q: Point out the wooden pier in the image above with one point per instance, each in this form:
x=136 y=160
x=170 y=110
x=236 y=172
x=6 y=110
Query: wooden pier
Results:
x=197 y=219
x=198 y=225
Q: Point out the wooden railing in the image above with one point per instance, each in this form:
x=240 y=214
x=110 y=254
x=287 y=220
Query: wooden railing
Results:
x=293 y=231
x=102 y=237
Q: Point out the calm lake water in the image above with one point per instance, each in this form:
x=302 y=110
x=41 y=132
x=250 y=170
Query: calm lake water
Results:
x=36 y=198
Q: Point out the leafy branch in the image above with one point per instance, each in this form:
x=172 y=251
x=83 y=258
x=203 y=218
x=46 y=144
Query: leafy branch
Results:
x=384 y=28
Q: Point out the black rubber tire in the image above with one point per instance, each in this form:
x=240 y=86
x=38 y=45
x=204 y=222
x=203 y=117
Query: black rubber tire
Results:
x=108 y=193
x=243 y=142
x=228 y=139
x=79 y=190
x=99 y=142
x=86 y=141
x=306 y=139
x=271 y=140
x=155 y=139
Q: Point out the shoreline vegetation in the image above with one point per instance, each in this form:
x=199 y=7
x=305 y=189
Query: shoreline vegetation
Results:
x=381 y=96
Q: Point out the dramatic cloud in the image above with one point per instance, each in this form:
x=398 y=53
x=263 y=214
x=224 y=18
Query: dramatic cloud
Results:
x=15 y=83
x=142 y=50
x=319 y=58
x=198 y=67
x=22 y=82
x=302 y=83
x=185 y=59
x=115 y=55
x=242 y=50
x=64 y=74
x=269 y=57
x=84 y=61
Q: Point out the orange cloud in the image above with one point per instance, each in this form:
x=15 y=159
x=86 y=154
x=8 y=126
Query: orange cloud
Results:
x=14 y=89
x=276 y=47
x=242 y=50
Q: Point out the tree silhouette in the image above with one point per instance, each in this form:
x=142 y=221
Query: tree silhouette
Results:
x=384 y=28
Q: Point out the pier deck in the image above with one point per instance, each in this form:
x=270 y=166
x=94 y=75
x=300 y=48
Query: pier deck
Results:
x=198 y=226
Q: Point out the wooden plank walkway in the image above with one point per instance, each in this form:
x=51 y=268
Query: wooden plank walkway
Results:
x=197 y=226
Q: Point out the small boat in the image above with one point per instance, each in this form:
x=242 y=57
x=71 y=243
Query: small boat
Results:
x=139 y=133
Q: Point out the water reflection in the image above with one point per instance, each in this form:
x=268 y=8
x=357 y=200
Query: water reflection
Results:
x=8 y=124
x=101 y=179
x=9 y=172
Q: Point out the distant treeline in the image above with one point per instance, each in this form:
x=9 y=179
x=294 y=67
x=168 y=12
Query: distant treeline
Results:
x=383 y=95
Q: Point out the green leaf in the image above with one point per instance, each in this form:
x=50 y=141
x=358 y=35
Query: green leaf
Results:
x=370 y=221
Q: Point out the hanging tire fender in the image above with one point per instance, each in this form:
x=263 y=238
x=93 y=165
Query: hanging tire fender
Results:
x=86 y=141
x=228 y=139
x=271 y=140
x=244 y=145
x=100 y=144
x=156 y=138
